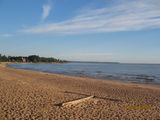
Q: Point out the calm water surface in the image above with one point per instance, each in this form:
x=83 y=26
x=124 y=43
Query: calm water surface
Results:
x=137 y=73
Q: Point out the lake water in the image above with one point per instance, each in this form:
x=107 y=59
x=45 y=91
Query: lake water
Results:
x=136 y=73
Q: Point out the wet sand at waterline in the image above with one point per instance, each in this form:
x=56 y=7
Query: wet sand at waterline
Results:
x=43 y=96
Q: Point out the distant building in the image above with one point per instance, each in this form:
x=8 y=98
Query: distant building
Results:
x=23 y=59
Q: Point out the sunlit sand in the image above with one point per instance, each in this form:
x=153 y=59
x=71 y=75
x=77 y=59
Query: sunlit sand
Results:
x=37 y=95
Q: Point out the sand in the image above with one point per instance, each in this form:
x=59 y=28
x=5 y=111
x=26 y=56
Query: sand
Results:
x=29 y=95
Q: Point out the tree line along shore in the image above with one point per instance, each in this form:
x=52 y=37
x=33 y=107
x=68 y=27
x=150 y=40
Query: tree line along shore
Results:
x=30 y=59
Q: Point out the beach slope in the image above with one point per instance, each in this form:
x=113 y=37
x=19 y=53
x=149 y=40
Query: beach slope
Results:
x=43 y=96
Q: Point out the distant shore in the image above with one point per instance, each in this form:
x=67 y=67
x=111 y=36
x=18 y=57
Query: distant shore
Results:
x=28 y=94
x=30 y=59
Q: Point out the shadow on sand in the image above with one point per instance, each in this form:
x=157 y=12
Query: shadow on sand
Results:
x=86 y=96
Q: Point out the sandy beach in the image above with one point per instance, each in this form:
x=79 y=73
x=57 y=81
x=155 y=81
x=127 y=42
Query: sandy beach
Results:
x=30 y=95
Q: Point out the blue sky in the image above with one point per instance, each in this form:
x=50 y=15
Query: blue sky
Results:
x=86 y=30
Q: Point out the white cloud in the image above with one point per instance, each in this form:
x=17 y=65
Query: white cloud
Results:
x=125 y=15
x=46 y=10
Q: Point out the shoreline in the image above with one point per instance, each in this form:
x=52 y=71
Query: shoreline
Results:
x=148 y=85
x=27 y=94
